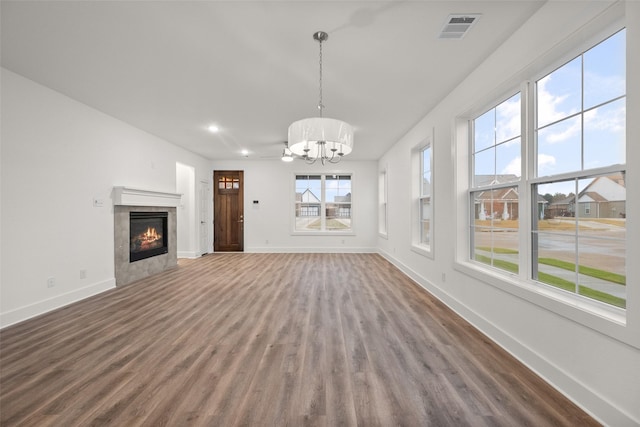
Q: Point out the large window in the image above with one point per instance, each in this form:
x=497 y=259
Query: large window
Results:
x=424 y=204
x=495 y=198
x=422 y=190
x=572 y=196
x=578 y=242
x=323 y=203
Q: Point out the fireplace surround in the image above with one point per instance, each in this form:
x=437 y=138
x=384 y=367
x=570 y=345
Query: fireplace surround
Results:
x=151 y=207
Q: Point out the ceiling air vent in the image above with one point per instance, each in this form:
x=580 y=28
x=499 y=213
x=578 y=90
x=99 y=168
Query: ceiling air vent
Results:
x=458 y=25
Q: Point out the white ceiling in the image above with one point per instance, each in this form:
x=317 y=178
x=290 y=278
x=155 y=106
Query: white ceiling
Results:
x=172 y=68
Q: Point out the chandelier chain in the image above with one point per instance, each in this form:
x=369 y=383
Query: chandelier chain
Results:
x=320 y=105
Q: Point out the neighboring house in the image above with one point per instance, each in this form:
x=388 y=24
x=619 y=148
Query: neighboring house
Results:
x=502 y=203
x=604 y=197
x=564 y=207
x=307 y=204
x=341 y=208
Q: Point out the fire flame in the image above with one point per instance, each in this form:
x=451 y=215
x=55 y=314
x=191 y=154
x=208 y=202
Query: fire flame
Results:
x=151 y=235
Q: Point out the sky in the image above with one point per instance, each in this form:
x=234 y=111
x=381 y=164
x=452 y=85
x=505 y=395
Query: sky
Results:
x=567 y=140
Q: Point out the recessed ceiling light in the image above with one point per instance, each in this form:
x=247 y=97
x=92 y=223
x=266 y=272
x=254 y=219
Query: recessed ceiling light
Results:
x=245 y=152
x=213 y=128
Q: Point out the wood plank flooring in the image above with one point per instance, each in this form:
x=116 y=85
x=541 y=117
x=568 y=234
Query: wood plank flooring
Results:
x=238 y=339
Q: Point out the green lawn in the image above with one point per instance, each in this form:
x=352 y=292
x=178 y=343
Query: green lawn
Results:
x=582 y=269
x=558 y=282
x=587 y=271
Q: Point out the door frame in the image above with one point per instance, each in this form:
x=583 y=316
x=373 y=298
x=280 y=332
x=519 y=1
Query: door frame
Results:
x=233 y=181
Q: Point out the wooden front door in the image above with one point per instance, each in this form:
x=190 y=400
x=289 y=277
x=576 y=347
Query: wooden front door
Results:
x=228 y=208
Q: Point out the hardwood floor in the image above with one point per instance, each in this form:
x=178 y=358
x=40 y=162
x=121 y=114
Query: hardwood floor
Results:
x=268 y=339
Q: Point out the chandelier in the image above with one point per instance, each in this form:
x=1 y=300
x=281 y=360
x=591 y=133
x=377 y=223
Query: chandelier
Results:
x=319 y=138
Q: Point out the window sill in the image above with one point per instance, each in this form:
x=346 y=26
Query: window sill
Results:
x=610 y=321
x=422 y=250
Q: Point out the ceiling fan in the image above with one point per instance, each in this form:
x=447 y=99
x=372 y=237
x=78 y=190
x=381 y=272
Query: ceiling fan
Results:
x=286 y=156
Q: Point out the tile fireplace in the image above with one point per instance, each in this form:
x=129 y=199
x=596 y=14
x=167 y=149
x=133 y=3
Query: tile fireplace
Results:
x=145 y=233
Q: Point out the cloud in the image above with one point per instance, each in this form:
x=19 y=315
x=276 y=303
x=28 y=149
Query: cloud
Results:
x=513 y=168
x=548 y=103
x=565 y=132
x=606 y=119
x=545 y=162
x=599 y=88
x=508 y=119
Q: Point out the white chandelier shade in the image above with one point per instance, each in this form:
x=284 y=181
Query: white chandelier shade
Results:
x=320 y=137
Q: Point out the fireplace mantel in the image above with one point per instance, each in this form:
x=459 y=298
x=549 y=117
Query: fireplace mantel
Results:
x=127 y=196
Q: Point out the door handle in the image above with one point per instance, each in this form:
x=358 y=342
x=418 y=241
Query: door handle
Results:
x=202 y=222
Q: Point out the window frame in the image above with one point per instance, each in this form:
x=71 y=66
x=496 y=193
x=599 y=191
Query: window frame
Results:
x=518 y=184
x=383 y=206
x=417 y=155
x=596 y=315
x=322 y=231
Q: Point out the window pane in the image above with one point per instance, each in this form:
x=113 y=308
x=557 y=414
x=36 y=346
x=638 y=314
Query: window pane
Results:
x=559 y=148
x=484 y=167
x=484 y=131
x=425 y=221
x=495 y=228
x=426 y=159
x=338 y=216
x=583 y=242
x=338 y=188
x=308 y=202
x=560 y=196
x=605 y=135
x=308 y=187
x=556 y=256
x=425 y=185
x=508 y=119
x=605 y=71
x=602 y=267
x=559 y=93
x=508 y=161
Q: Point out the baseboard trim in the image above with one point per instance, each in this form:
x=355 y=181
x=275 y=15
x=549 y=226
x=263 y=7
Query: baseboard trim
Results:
x=315 y=250
x=589 y=400
x=188 y=254
x=32 y=310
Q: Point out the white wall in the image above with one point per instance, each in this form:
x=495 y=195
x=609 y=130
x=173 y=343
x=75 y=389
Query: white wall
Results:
x=268 y=224
x=186 y=212
x=59 y=155
x=593 y=361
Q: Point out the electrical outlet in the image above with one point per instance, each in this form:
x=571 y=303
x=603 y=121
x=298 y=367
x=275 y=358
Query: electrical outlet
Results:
x=51 y=282
x=444 y=277
x=83 y=274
